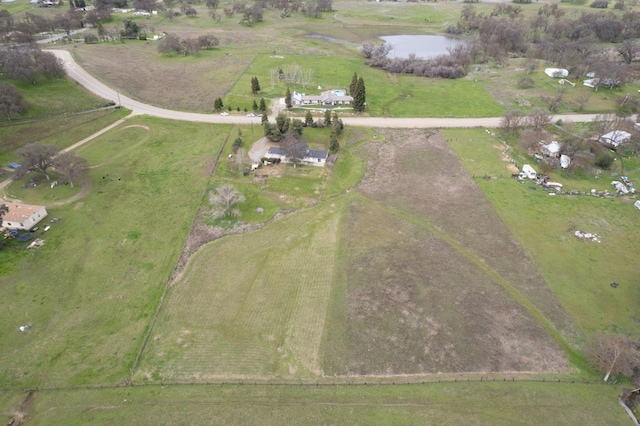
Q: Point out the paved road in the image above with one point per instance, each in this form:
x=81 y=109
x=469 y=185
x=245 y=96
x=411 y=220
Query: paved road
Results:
x=95 y=86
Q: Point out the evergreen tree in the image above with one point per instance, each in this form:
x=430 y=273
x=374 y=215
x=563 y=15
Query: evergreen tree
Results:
x=287 y=99
x=264 y=119
x=263 y=106
x=255 y=105
x=327 y=117
x=354 y=83
x=297 y=125
x=282 y=123
x=255 y=85
x=359 y=96
x=217 y=104
x=334 y=146
x=308 y=119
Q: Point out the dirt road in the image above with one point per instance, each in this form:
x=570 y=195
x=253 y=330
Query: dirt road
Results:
x=95 y=86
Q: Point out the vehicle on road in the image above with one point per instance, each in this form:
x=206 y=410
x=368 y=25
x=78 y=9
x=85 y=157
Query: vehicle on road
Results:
x=251 y=114
x=224 y=113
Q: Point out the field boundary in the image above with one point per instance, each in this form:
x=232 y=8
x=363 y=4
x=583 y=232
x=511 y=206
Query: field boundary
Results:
x=332 y=383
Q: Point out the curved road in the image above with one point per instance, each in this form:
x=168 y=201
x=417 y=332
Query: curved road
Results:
x=95 y=86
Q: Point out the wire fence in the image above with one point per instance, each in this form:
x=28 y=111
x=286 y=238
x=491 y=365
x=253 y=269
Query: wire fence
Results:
x=337 y=383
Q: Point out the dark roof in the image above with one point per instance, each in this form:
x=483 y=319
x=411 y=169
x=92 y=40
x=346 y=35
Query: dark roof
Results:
x=317 y=153
x=276 y=150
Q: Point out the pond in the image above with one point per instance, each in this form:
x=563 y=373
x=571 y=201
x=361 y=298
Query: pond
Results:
x=423 y=46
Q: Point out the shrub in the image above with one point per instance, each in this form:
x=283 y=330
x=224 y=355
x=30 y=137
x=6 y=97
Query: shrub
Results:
x=522 y=1
x=90 y=38
x=603 y=160
x=600 y=4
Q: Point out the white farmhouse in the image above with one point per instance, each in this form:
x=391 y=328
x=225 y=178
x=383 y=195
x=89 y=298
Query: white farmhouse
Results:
x=23 y=216
x=615 y=138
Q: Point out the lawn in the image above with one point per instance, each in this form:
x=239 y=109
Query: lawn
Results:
x=578 y=272
x=507 y=403
x=91 y=291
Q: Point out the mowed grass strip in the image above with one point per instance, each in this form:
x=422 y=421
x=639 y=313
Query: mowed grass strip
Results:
x=90 y=292
x=250 y=305
x=578 y=272
x=500 y=403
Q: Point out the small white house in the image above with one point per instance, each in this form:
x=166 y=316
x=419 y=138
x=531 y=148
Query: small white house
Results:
x=556 y=72
x=23 y=216
x=314 y=157
x=529 y=171
x=565 y=161
x=615 y=138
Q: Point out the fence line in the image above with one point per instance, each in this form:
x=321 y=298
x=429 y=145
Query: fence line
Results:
x=304 y=384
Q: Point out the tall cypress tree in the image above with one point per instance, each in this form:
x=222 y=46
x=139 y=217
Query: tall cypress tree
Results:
x=354 y=82
x=263 y=105
x=359 y=96
x=308 y=119
x=287 y=99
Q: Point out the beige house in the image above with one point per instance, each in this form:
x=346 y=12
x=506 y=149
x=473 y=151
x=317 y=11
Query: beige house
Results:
x=327 y=98
x=23 y=216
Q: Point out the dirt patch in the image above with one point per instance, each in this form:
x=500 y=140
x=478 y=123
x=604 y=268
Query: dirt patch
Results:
x=454 y=316
x=78 y=206
x=22 y=413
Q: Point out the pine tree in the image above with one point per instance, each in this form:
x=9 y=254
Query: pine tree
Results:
x=327 y=117
x=354 y=83
x=263 y=105
x=359 y=96
x=287 y=99
x=308 y=119
x=218 y=105
x=255 y=105
x=255 y=85
x=264 y=119
x=334 y=145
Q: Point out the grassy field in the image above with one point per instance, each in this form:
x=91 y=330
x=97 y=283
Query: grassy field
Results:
x=578 y=272
x=436 y=403
x=90 y=292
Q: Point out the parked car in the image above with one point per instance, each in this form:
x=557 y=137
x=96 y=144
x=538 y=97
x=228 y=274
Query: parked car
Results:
x=34 y=229
x=224 y=113
x=251 y=114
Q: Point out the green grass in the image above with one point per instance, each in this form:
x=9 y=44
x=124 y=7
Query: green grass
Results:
x=90 y=292
x=578 y=272
x=250 y=305
x=508 y=403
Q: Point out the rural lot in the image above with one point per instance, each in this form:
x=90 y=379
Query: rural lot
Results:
x=187 y=275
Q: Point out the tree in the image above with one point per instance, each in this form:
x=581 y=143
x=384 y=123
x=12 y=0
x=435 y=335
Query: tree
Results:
x=282 y=123
x=294 y=148
x=224 y=199
x=37 y=157
x=254 y=106
x=612 y=354
x=327 y=117
x=334 y=145
x=4 y=209
x=538 y=119
x=297 y=125
x=208 y=41
x=263 y=106
x=169 y=44
x=255 y=85
x=628 y=49
x=71 y=166
x=512 y=121
x=359 y=96
x=354 y=83
x=308 y=119
x=11 y=100
x=217 y=104
x=324 y=6
x=287 y=99
x=146 y=5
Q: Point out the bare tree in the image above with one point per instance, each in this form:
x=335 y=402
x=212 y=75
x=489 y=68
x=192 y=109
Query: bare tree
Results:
x=628 y=49
x=169 y=44
x=538 y=119
x=512 y=121
x=71 y=166
x=37 y=157
x=612 y=354
x=11 y=100
x=224 y=199
x=294 y=148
